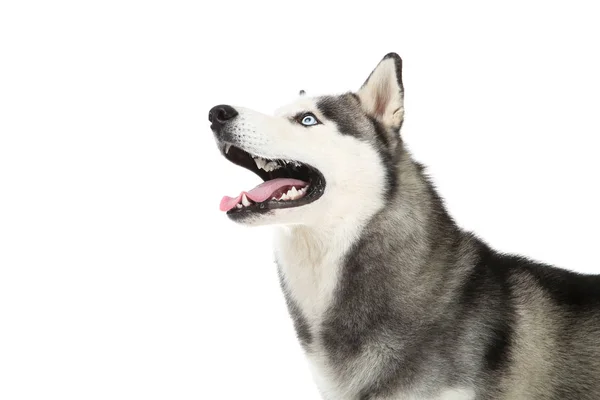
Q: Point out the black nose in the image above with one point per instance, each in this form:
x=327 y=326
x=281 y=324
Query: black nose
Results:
x=220 y=114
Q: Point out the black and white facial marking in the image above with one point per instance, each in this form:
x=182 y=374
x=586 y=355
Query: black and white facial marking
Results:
x=389 y=297
x=380 y=102
x=340 y=152
x=347 y=113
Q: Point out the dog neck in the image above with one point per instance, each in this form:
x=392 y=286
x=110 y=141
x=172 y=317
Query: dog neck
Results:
x=311 y=258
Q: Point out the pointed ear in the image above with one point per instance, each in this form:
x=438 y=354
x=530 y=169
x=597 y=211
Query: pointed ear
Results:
x=382 y=95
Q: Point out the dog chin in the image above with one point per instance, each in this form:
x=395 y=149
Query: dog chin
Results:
x=281 y=217
x=254 y=219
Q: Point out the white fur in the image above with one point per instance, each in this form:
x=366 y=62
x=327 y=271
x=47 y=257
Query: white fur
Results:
x=352 y=169
x=382 y=96
x=310 y=260
x=311 y=240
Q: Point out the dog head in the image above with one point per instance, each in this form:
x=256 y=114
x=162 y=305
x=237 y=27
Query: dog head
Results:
x=321 y=158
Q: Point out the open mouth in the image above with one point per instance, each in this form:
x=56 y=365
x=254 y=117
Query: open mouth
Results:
x=287 y=184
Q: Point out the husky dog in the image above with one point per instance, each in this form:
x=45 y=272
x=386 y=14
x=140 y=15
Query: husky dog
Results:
x=389 y=298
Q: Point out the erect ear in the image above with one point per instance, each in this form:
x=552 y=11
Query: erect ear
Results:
x=382 y=95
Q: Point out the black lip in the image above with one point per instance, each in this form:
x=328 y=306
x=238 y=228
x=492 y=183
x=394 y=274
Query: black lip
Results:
x=304 y=172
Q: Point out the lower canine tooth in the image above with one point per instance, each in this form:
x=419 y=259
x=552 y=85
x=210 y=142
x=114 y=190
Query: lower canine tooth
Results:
x=245 y=201
x=238 y=205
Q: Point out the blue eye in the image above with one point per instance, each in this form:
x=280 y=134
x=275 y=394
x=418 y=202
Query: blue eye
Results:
x=309 y=120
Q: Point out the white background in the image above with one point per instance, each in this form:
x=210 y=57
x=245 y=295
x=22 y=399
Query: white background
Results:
x=119 y=277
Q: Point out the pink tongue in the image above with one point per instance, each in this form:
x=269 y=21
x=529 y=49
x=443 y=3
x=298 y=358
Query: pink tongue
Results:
x=262 y=192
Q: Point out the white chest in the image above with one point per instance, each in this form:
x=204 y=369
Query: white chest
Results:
x=311 y=268
x=310 y=272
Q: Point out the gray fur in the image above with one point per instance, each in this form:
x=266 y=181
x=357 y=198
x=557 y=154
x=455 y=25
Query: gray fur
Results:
x=421 y=306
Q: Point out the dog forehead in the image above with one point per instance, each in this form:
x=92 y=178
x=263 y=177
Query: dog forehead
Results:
x=299 y=105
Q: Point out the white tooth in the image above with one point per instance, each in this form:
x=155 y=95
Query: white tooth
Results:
x=293 y=193
x=245 y=200
x=273 y=198
x=271 y=166
x=260 y=163
x=238 y=205
x=227 y=147
x=284 y=197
